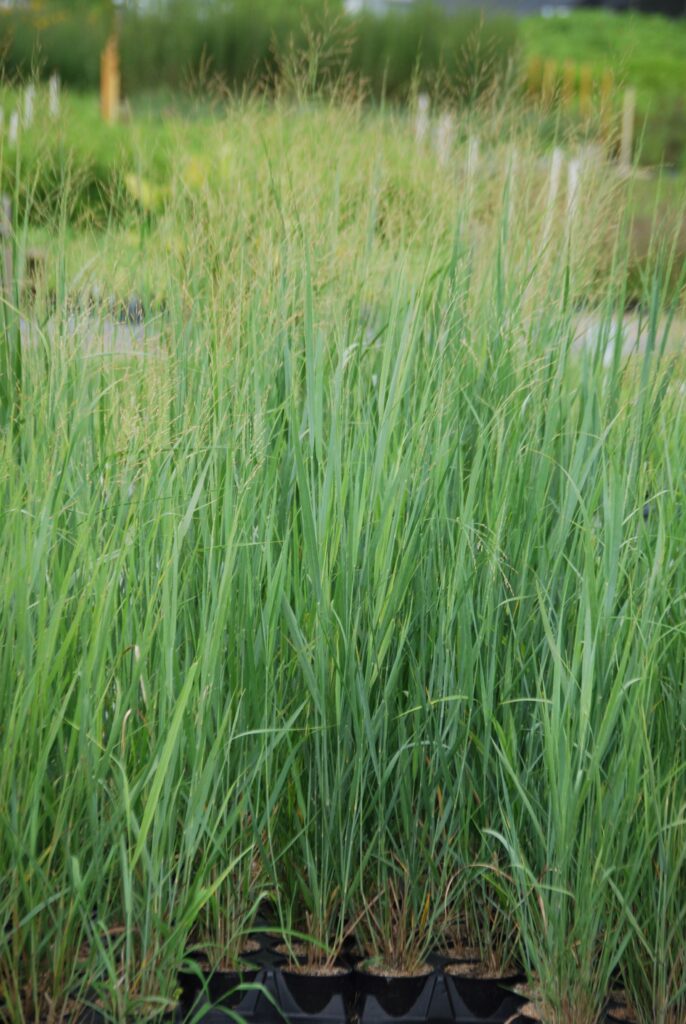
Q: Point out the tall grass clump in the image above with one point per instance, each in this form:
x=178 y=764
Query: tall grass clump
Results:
x=343 y=595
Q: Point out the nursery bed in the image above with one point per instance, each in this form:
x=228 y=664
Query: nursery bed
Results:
x=269 y=995
x=439 y=998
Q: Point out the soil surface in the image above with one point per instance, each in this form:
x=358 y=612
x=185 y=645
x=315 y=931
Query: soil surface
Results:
x=383 y=971
x=294 y=949
x=461 y=952
x=250 y=946
x=478 y=971
x=202 y=961
x=316 y=970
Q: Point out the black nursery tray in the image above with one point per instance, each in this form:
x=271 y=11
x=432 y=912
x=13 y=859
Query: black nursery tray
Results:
x=268 y=993
x=274 y=999
x=270 y=1000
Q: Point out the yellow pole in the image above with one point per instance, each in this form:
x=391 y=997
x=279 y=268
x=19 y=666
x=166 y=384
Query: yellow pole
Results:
x=105 y=82
x=110 y=83
x=628 y=123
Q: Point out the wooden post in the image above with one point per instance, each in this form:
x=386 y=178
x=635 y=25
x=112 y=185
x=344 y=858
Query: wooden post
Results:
x=573 y=184
x=511 y=171
x=54 y=95
x=110 y=84
x=626 y=152
x=445 y=133
x=421 y=124
x=13 y=130
x=29 y=98
x=105 y=61
x=553 y=189
x=586 y=92
x=6 y=259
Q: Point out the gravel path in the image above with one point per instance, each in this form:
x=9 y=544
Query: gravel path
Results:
x=109 y=336
x=99 y=335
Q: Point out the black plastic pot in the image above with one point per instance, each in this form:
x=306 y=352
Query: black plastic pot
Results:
x=220 y=988
x=396 y=995
x=298 y=998
x=486 y=998
x=438 y=1003
x=314 y=991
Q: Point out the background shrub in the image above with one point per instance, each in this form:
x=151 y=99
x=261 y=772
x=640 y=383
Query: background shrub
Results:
x=247 y=43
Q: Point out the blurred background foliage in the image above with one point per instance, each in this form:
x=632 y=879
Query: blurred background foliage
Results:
x=245 y=43
x=178 y=56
